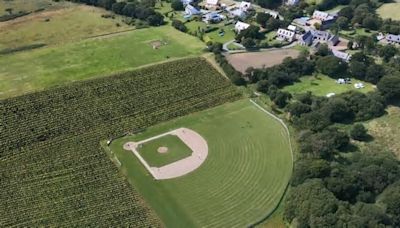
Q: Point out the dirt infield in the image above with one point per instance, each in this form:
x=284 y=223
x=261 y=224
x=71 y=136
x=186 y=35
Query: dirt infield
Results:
x=242 y=61
x=192 y=139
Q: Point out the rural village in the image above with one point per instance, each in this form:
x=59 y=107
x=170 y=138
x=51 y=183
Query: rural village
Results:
x=200 y=113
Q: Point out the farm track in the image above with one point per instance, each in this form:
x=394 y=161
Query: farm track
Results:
x=52 y=169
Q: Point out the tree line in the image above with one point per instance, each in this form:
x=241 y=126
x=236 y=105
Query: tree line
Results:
x=141 y=10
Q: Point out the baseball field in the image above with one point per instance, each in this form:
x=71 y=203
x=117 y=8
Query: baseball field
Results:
x=245 y=174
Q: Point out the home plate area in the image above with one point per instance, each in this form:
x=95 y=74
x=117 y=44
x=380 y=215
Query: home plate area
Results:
x=155 y=151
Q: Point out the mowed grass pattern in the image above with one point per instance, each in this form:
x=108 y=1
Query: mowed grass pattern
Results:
x=46 y=67
x=177 y=150
x=245 y=174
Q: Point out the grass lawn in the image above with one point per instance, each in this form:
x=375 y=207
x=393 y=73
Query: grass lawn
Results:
x=386 y=130
x=46 y=67
x=242 y=180
x=25 y=5
x=390 y=10
x=323 y=85
x=177 y=150
x=357 y=32
x=71 y=23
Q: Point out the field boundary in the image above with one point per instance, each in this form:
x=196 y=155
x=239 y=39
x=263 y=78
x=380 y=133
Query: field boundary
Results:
x=292 y=156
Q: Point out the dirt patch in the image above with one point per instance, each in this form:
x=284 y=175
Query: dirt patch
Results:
x=155 y=44
x=242 y=61
x=162 y=150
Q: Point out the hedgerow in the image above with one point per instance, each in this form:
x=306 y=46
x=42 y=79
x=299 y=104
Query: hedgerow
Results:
x=53 y=171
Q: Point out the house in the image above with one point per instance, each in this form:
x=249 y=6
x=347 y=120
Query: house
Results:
x=393 y=38
x=324 y=36
x=302 y=21
x=212 y=3
x=342 y=55
x=236 y=12
x=286 y=35
x=306 y=39
x=292 y=28
x=380 y=36
x=292 y=2
x=186 y=2
x=325 y=18
x=320 y=15
x=240 y=26
x=273 y=14
x=341 y=81
x=191 y=10
x=245 y=6
x=212 y=17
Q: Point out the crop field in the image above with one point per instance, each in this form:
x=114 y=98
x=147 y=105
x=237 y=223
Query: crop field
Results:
x=242 y=61
x=52 y=168
x=390 y=10
x=47 y=67
x=244 y=176
x=322 y=85
x=71 y=23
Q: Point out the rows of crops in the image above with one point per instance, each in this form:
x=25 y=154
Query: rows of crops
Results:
x=52 y=169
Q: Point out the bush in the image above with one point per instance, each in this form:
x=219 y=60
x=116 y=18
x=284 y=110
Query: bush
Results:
x=359 y=132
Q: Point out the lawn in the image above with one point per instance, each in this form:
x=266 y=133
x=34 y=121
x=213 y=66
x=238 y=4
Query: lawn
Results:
x=390 y=10
x=46 y=67
x=386 y=130
x=58 y=26
x=248 y=166
x=177 y=150
x=322 y=85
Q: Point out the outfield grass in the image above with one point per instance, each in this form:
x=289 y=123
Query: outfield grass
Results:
x=242 y=180
x=390 y=10
x=46 y=67
x=58 y=26
x=322 y=85
x=177 y=150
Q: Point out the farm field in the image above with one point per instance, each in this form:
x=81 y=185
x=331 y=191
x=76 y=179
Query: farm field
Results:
x=390 y=10
x=322 y=85
x=26 y=5
x=244 y=176
x=242 y=61
x=53 y=171
x=53 y=66
x=386 y=130
x=71 y=23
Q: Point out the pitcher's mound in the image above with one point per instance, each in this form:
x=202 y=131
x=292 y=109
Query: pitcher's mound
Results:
x=162 y=150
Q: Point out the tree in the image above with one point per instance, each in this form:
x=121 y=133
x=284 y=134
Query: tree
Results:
x=371 y=22
x=156 y=19
x=323 y=50
x=309 y=168
x=374 y=73
x=357 y=69
x=389 y=86
x=298 y=108
x=177 y=5
x=179 y=25
x=262 y=19
x=346 y=12
x=387 y=52
x=358 y=132
x=118 y=7
x=342 y=23
x=106 y=4
x=281 y=99
x=248 y=42
x=9 y=10
x=273 y=24
x=332 y=66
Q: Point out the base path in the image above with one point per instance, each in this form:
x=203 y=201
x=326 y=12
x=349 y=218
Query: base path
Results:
x=192 y=139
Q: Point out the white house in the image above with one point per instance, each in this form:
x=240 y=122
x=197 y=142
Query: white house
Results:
x=393 y=38
x=292 y=2
x=284 y=34
x=245 y=6
x=240 y=26
x=292 y=28
x=191 y=10
x=186 y=2
x=212 y=3
x=273 y=14
x=320 y=15
x=212 y=17
x=342 y=55
x=236 y=12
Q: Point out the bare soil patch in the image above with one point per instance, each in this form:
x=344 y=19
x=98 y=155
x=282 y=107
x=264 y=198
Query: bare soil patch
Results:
x=242 y=61
x=162 y=150
x=155 y=44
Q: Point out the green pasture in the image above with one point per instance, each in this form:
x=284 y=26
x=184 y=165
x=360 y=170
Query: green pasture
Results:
x=52 y=66
x=59 y=26
x=390 y=10
x=321 y=85
x=177 y=150
x=242 y=180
